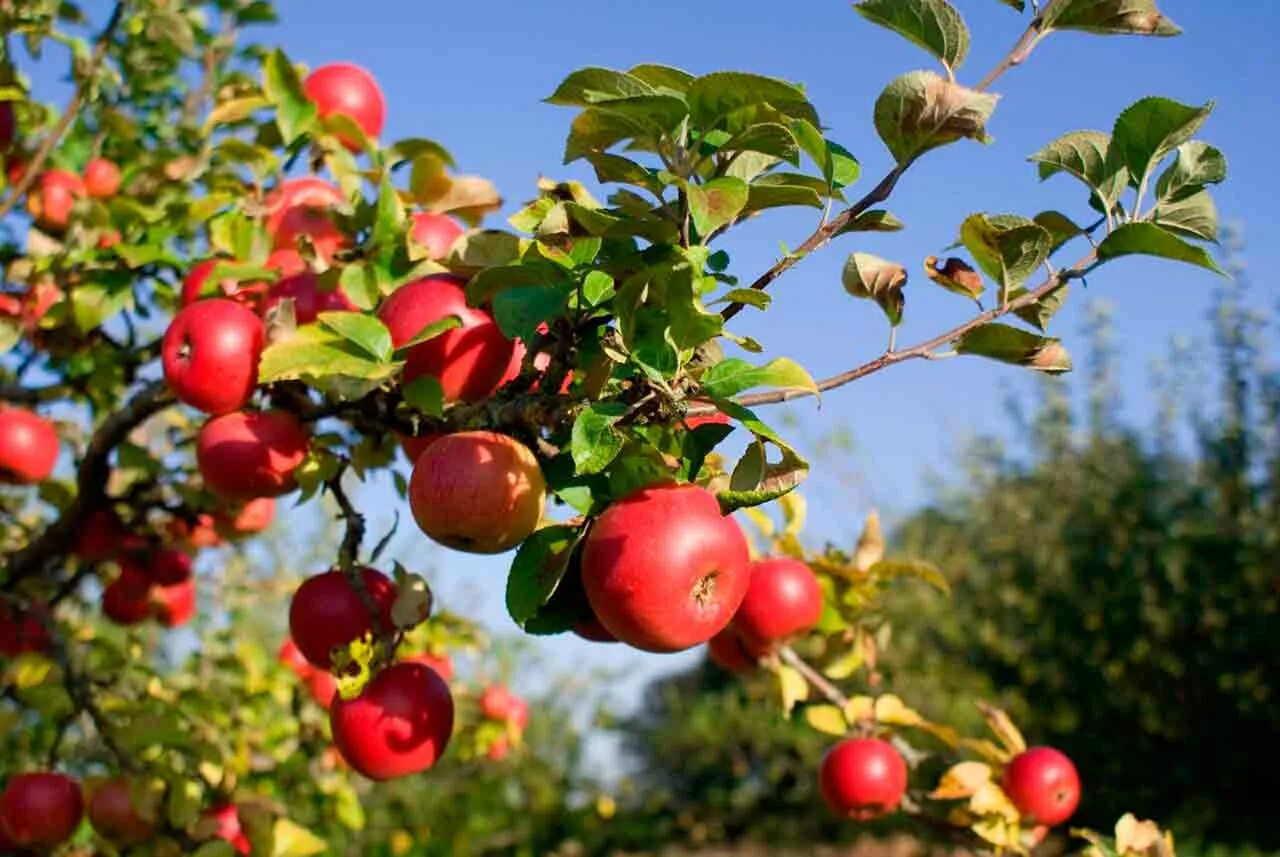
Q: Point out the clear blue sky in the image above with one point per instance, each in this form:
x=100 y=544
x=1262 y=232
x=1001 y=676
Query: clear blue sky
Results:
x=472 y=75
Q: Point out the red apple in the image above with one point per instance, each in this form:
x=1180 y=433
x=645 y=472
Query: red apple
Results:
x=169 y=567
x=193 y=284
x=109 y=239
x=100 y=536
x=225 y=822
x=518 y=713
x=499 y=749
x=664 y=569
x=251 y=517
x=469 y=361
x=326 y=612
x=300 y=207
x=51 y=200
x=23 y=630
x=441 y=664
x=400 y=724
x=193 y=535
x=248 y=454
x=436 y=232
x=863 y=778
x=322 y=686
x=477 y=491
x=1043 y=784
x=101 y=178
x=291 y=656
x=126 y=600
x=28 y=447
x=732 y=653
x=495 y=702
x=174 y=605
x=15 y=167
x=210 y=355
x=113 y=815
x=40 y=809
x=591 y=629
x=345 y=89
x=414 y=446
x=308 y=300
x=8 y=125
x=783 y=599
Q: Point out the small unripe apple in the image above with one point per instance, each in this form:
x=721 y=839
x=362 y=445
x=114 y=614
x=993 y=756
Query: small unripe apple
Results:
x=326 y=612
x=101 y=178
x=732 y=653
x=113 y=815
x=346 y=89
x=127 y=599
x=783 y=599
x=210 y=355
x=469 y=361
x=300 y=207
x=863 y=778
x=250 y=517
x=477 y=491
x=248 y=454
x=664 y=569
x=436 y=232
x=308 y=300
x=224 y=821
x=40 y=809
x=23 y=630
x=1043 y=784
x=28 y=447
x=400 y=724
x=174 y=605
x=51 y=200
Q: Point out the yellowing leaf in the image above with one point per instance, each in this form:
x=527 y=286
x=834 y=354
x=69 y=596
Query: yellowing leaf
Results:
x=962 y=780
x=292 y=840
x=1001 y=833
x=30 y=669
x=859 y=708
x=891 y=709
x=413 y=603
x=870 y=548
x=1000 y=724
x=986 y=749
x=826 y=718
x=1136 y=838
x=761 y=521
x=794 y=509
x=989 y=799
x=401 y=842
x=793 y=688
x=845 y=665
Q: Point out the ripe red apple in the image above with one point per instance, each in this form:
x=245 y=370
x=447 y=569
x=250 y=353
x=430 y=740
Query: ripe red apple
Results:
x=518 y=713
x=499 y=749
x=783 y=599
x=732 y=653
x=100 y=536
x=169 y=567
x=51 y=200
x=322 y=686
x=101 y=178
x=113 y=815
x=193 y=535
x=109 y=239
x=400 y=724
x=308 y=300
x=8 y=125
x=469 y=361
x=251 y=517
x=28 y=447
x=495 y=702
x=15 y=167
x=291 y=656
x=436 y=232
x=248 y=454
x=664 y=569
x=300 y=207
x=225 y=821
x=210 y=355
x=23 y=630
x=863 y=778
x=441 y=664
x=127 y=599
x=477 y=491
x=348 y=90
x=1043 y=783
x=326 y=612
x=174 y=605
x=591 y=629
x=40 y=809
x=414 y=446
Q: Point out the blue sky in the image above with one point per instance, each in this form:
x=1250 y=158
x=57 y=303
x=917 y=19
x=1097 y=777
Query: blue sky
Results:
x=472 y=75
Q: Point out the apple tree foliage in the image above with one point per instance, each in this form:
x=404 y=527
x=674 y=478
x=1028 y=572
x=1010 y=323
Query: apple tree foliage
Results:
x=632 y=371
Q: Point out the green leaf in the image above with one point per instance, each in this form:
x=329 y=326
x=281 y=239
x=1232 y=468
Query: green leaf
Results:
x=295 y=114
x=764 y=195
x=1109 y=17
x=1007 y=247
x=887 y=569
x=519 y=310
x=1040 y=312
x=1060 y=227
x=662 y=76
x=751 y=297
x=597 y=287
x=292 y=840
x=431 y=331
x=314 y=351
x=756 y=480
x=594 y=443
x=537 y=570
x=1020 y=5
x=215 y=848
x=365 y=331
x=657 y=113
x=716 y=203
x=875 y=220
x=712 y=97
x=868 y=276
x=235 y=110
x=359 y=282
x=1193 y=216
x=10 y=333
x=768 y=138
x=615 y=168
x=732 y=376
x=388 y=220
x=1198 y=164
x=1151 y=240
x=934 y=25
x=922 y=110
x=412 y=148
x=1152 y=128
x=425 y=394
x=596 y=130
x=1089 y=156
x=1012 y=345
x=588 y=86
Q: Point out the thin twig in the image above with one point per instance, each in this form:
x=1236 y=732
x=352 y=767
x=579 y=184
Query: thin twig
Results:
x=1020 y=51
x=51 y=141
x=815 y=678
x=212 y=57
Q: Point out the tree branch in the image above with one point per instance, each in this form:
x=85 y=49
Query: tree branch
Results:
x=51 y=141
x=91 y=480
x=212 y=57
x=830 y=691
